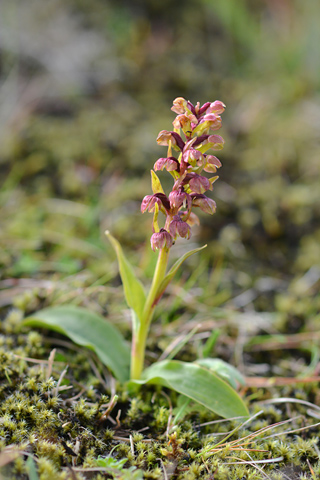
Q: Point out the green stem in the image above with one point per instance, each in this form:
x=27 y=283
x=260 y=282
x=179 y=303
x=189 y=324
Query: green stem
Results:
x=140 y=335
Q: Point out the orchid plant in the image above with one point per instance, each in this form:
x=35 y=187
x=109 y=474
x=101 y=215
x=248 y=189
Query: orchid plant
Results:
x=196 y=124
x=208 y=381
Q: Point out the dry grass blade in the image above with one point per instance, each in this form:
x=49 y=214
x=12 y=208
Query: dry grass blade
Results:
x=290 y=400
x=240 y=444
x=253 y=463
x=236 y=429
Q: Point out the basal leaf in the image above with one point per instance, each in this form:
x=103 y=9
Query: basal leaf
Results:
x=223 y=369
x=89 y=329
x=173 y=270
x=197 y=383
x=133 y=288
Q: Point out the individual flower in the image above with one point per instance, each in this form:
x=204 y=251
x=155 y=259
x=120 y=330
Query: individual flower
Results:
x=170 y=164
x=161 y=239
x=213 y=121
x=179 y=105
x=207 y=123
x=197 y=183
x=216 y=107
x=179 y=227
x=211 y=141
x=206 y=204
x=185 y=122
x=212 y=163
x=149 y=202
x=165 y=137
x=193 y=157
x=179 y=198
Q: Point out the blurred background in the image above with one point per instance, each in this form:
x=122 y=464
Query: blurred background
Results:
x=85 y=87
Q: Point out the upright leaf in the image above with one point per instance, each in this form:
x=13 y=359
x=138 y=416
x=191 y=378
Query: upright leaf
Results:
x=173 y=270
x=89 y=329
x=197 y=383
x=133 y=288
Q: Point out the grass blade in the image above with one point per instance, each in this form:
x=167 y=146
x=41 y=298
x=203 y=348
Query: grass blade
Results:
x=133 y=288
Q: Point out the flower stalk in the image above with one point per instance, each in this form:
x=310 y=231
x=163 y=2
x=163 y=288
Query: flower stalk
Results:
x=139 y=337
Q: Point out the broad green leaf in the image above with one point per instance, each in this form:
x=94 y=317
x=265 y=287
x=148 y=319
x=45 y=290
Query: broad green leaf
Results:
x=173 y=270
x=89 y=329
x=197 y=383
x=133 y=288
x=226 y=371
x=155 y=183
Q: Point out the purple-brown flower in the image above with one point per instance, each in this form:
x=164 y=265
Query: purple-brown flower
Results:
x=161 y=239
x=179 y=227
x=169 y=163
x=179 y=198
x=212 y=163
x=149 y=202
x=206 y=204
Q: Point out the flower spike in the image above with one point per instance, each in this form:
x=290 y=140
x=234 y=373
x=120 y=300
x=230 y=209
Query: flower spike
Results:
x=196 y=124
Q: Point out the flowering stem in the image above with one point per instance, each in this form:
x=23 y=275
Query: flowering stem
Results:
x=141 y=333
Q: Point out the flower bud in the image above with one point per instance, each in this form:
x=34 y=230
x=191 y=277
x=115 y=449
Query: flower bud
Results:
x=161 y=239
